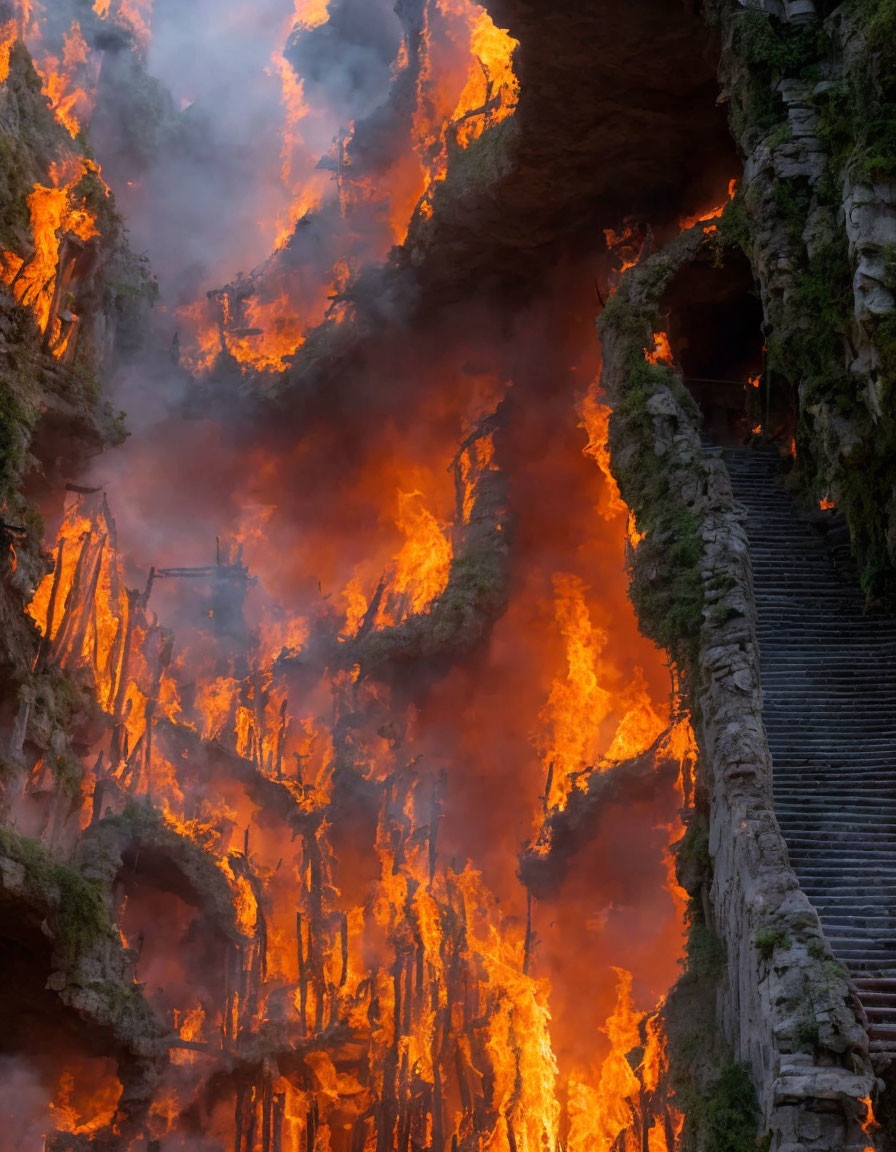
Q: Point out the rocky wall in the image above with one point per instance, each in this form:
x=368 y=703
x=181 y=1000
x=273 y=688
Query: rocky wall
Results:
x=781 y=1003
x=812 y=107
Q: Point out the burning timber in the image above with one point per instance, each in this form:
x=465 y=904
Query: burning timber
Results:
x=279 y=1034
x=234 y=860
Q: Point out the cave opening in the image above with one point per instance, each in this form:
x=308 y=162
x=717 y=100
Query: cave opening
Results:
x=55 y=1070
x=715 y=331
x=181 y=954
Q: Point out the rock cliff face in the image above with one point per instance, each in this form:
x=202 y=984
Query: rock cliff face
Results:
x=71 y=297
x=809 y=92
x=811 y=100
x=782 y=1003
x=617 y=118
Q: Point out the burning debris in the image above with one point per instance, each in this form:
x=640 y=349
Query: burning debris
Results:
x=305 y=933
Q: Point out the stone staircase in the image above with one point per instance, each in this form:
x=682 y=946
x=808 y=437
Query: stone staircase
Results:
x=829 y=686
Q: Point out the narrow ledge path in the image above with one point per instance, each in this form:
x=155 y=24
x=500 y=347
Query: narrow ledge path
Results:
x=828 y=670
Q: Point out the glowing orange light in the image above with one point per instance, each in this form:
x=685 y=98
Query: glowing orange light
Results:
x=712 y=214
x=661 y=353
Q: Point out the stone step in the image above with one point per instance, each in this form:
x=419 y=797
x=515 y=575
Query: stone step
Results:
x=880 y=937
x=828 y=678
x=833 y=815
x=882 y=1032
x=870 y=844
x=881 y=984
x=858 y=903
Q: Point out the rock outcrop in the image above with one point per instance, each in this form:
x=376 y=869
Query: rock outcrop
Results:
x=783 y=1005
x=812 y=111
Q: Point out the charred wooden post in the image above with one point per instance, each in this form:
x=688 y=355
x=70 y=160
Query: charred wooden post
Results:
x=47 y=639
x=73 y=599
x=280 y=741
x=119 y=735
x=343 y=949
x=279 y=1114
x=304 y=977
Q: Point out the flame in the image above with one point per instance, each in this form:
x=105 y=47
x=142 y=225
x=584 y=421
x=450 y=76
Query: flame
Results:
x=68 y=99
x=625 y=247
x=577 y=704
x=55 y=214
x=488 y=95
x=8 y=36
x=712 y=214
x=600 y=1112
x=242 y=747
x=492 y=90
x=661 y=353
x=422 y=566
x=138 y=14
x=869 y=1122
x=83 y=1117
x=573 y=722
x=596 y=422
x=826 y=504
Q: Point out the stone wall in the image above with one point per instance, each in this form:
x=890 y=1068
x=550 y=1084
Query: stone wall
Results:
x=784 y=1006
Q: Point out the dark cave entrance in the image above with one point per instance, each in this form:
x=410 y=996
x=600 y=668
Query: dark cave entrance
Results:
x=181 y=953
x=715 y=329
x=49 y=1055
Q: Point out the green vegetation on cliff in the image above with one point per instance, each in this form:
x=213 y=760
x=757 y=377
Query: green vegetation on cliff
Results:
x=80 y=917
x=666 y=586
x=814 y=105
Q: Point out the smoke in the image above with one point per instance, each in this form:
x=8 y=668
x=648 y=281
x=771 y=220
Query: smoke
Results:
x=205 y=127
x=312 y=493
x=24 y=1106
x=210 y=126
x=347 y=63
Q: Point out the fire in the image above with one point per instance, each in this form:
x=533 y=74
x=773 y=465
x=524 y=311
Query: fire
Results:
x=137 y=13
x=868 y=1123
x=714 y=213
x=488 y=95
x=754 y=381
x=600 y=1112
x=596 y=422
x=661 y=353
x=422 y=566
x=8 y=36
x=394 y=999
x=826 y=504
x=625 y=248
x=492 y=90
x=577 y=704
x=68 y=97
x=83 y=1117
x=59 y=220
x=574 y=721
x=466 y=85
